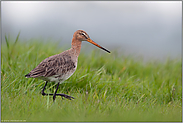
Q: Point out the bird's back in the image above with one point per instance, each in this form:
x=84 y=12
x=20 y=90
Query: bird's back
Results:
x=56 y=68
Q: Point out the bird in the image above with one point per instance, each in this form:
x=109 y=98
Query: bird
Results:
x=60 y=67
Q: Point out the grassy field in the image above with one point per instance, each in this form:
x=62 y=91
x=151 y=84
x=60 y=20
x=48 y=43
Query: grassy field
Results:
x=107 y=87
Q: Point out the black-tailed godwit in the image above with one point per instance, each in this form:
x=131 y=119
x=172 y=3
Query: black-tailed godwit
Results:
x=60 y=67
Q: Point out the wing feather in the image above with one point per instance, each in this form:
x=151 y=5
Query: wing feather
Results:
x=54 y=65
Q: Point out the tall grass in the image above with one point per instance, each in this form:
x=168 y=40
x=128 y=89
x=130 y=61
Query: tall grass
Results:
x=107 y=87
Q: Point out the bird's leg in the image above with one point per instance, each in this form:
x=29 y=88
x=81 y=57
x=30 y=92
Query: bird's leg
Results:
x=54 y=95
x=42 y=92
x=62 y=95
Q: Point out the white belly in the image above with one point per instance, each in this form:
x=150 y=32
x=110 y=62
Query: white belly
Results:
x=59 y=78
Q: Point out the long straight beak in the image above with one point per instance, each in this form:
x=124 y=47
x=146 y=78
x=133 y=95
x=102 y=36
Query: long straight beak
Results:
x=89 y=40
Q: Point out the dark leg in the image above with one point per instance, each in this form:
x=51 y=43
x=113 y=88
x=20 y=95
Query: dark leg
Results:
x=54 y=95
x=42 y=92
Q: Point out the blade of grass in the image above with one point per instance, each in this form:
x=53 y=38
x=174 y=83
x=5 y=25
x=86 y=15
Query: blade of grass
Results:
x=15 y=42
x=7 y=45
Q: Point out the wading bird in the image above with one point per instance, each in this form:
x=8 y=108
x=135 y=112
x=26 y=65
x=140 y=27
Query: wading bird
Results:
x=60 y=67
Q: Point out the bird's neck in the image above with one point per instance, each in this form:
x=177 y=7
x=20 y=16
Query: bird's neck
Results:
x=76 y=46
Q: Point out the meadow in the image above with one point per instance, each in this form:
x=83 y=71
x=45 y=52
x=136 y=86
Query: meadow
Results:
x=106 y=87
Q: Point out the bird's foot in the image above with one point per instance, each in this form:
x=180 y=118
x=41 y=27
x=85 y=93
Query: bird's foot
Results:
x=66 y=96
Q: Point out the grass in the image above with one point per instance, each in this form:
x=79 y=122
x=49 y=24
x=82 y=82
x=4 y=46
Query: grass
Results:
x=107 y=87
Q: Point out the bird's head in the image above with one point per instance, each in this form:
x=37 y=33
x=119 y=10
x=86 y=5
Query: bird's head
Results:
x=83 y=36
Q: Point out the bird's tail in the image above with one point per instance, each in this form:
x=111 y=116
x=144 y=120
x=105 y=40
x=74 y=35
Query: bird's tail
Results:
x=27 y=76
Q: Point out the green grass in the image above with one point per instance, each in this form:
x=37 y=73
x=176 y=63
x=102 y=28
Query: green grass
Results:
x=107 y=87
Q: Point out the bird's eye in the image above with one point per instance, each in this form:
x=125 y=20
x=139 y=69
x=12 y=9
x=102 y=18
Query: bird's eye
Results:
x=84 y=35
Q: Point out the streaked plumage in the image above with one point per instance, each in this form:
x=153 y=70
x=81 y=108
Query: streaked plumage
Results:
x=56 y=68
x=60 y=67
